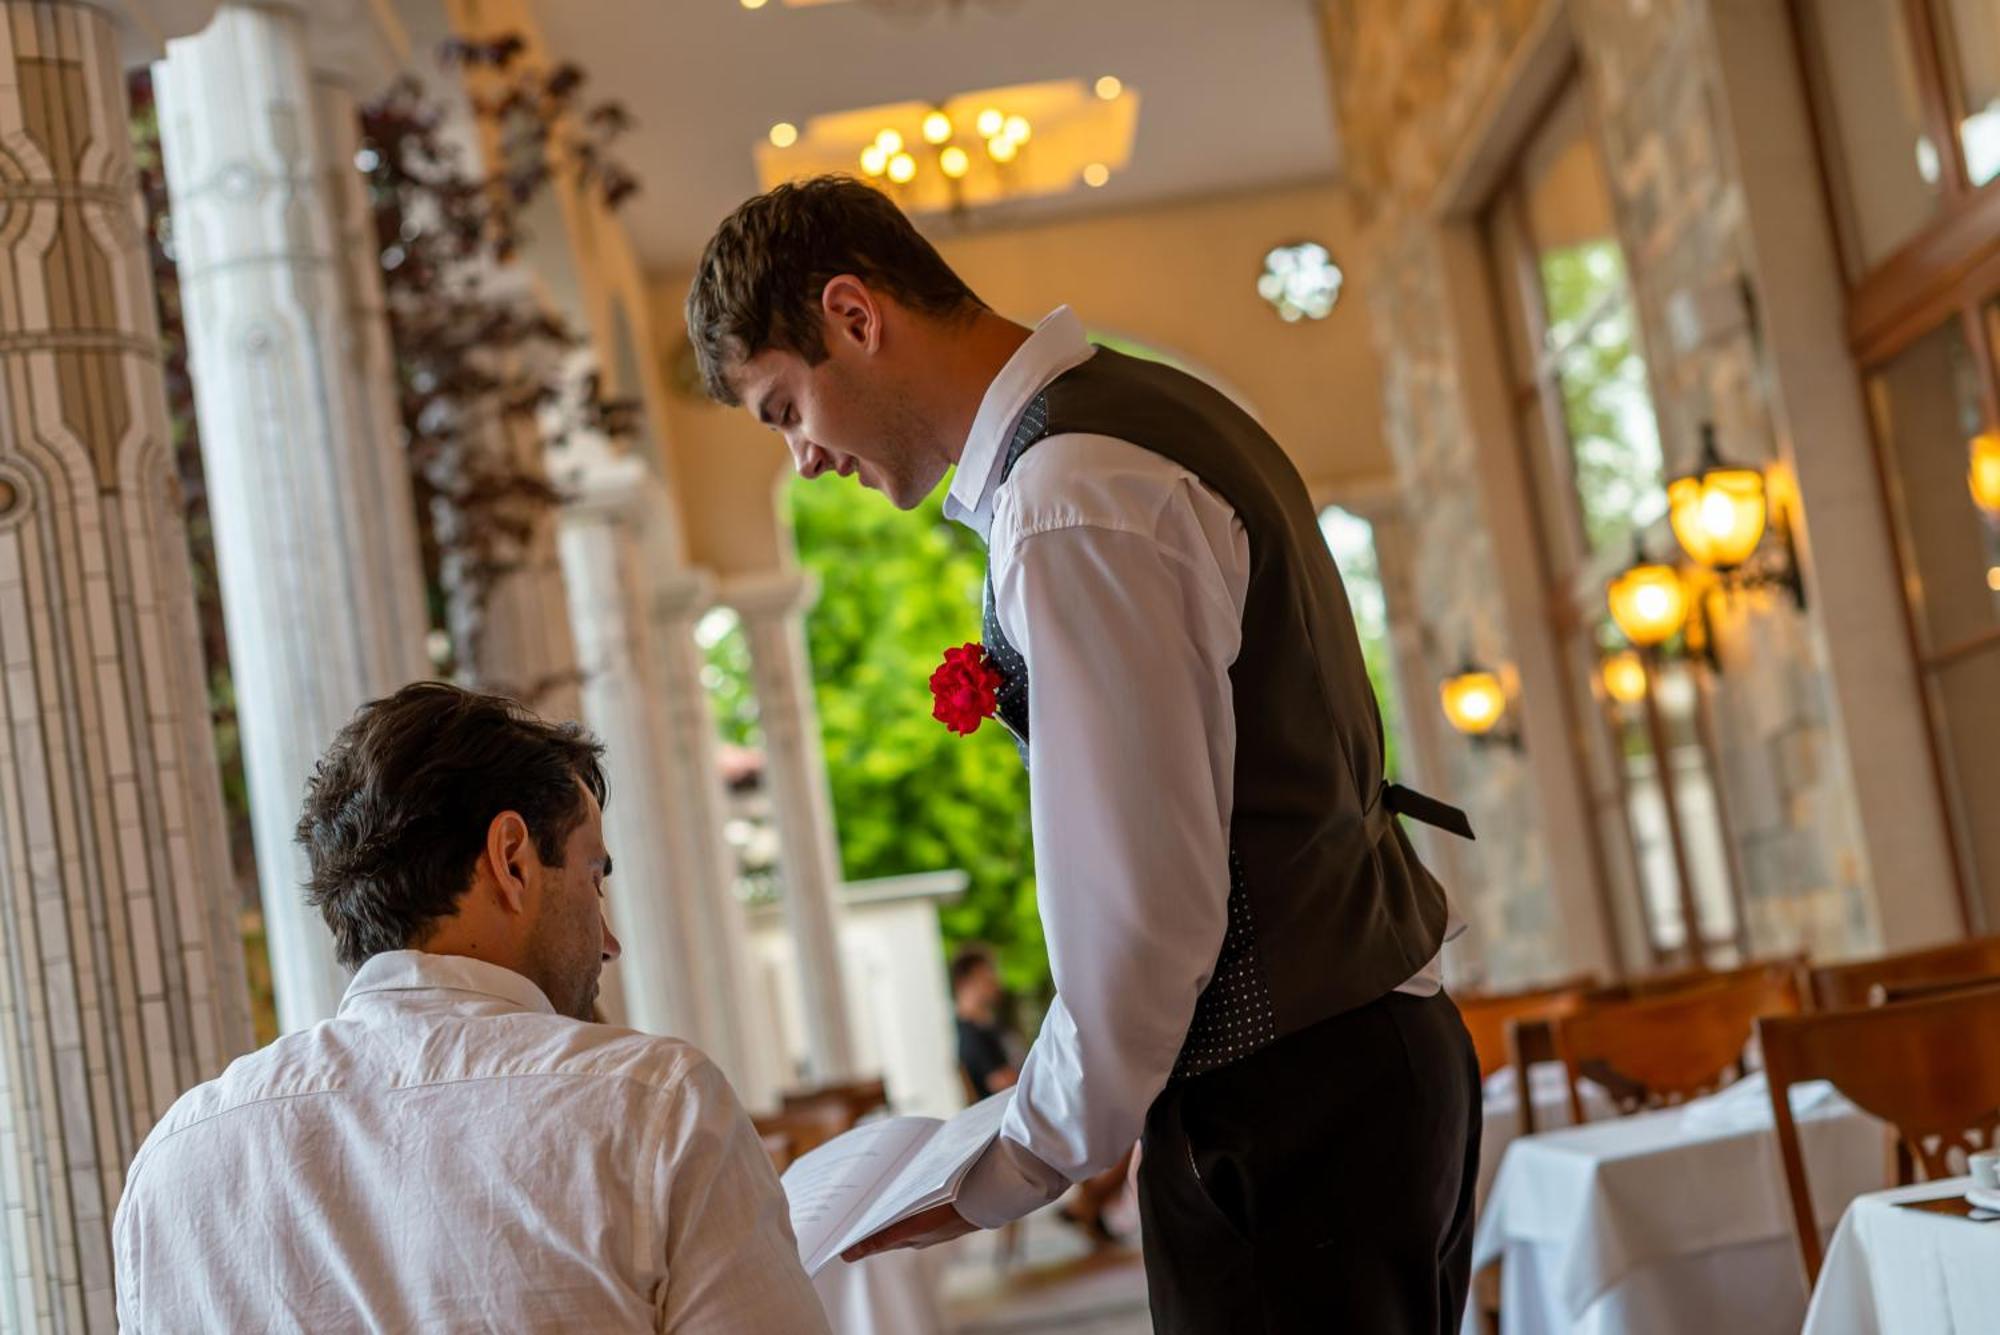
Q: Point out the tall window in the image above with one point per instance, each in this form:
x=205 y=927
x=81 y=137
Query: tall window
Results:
x=1585 y=419
x=1907 y=103
x=1352 y=541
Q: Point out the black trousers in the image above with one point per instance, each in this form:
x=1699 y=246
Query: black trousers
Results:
x=1322 y=1184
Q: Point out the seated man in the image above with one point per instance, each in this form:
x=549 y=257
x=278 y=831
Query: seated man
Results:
x=458 y=1149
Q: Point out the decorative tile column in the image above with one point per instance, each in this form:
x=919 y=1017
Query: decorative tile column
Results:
x=121 y=967
x=314 y=530
x=773 y=611
x=658 y=978
x=746 y=1035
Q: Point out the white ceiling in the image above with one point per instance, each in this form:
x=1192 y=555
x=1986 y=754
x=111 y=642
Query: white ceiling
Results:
x=1233 y=92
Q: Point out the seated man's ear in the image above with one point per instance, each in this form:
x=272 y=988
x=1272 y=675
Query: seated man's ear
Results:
x=510 y=853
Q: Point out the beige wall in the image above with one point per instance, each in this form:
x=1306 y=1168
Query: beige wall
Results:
x=1181 y=278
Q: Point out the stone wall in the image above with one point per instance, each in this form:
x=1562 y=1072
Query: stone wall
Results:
x=1413 y=80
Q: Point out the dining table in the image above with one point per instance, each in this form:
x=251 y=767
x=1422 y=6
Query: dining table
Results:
x=1917 y=1260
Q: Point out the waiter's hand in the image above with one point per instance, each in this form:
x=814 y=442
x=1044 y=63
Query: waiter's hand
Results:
x=940 y=1223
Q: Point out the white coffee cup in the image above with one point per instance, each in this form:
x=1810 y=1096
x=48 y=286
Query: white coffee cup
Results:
x=1985 y=1169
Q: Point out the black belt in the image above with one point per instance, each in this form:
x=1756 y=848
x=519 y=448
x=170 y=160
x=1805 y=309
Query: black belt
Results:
x=1419 y=807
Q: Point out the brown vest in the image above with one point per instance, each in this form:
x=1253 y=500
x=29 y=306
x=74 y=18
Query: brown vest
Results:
x=1329 y=907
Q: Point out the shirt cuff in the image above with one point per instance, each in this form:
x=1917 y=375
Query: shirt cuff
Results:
x=1005 y=1184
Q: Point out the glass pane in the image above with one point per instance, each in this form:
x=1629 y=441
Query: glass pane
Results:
x=1926 y=409
x=1874 y=123
x=1614 y=439
x=1646 y=812
x=1701 y=817
x=1972 y=35
x=1968 y=713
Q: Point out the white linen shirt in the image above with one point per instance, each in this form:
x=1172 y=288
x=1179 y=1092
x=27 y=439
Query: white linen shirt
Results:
x=1120 y=577
x=448 y=1153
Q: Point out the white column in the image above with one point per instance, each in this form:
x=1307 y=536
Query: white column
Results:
x=312 y=534
x=121 y=967
x=600 y=540
x=746 y=1038
x=773 y=611
x=518 y=640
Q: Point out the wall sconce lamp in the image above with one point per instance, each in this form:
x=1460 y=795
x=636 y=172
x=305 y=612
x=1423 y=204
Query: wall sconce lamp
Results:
x=1648 y=600
x=1984 y=477
x=1720 y=513
x=1475 y=703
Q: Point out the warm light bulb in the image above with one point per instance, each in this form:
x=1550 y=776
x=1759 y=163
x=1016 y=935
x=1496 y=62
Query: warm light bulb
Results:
x=874 y=160
x=1109 y=87
x=1993 y=579
x=1096 y=174
x=1473 y=701
x=954 y=162
x=1649 y=603
x=991 y=122
x=902 y=168
x=1624 y=678
x=1017 y=129
x=753 y=4
x=784 y=134
x=889 y=141
x=1001 y=149
x=1719 y=515
x=1984 y=478
x=937 y=128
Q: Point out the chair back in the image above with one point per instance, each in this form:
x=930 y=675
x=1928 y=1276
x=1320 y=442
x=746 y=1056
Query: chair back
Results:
x=794 y=1132
x=1487 y=1015
x=1883 y=993
x=1658 y=1051
x=855 y=1098
x=1927 y=1067
x=1834 y=986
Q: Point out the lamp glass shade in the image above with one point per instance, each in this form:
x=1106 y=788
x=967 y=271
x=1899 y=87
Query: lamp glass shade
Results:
x=1985 y=475
x=1624 y=678
x=1473 y=701
x=1649 y=603
x=1719 y=515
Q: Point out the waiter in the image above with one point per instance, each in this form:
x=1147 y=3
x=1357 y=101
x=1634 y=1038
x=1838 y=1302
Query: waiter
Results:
x=1245 y=946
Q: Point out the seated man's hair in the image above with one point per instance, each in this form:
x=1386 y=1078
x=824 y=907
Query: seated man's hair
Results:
x=968 y=961
x=397 y=810
x=759 y=282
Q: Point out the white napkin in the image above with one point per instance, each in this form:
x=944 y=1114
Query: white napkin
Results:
x=1746 y=1105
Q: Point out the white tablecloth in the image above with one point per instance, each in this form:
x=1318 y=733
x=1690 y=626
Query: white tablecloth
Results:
x=1670 y=1222
x=1549 y=1084
x=1892 y=1271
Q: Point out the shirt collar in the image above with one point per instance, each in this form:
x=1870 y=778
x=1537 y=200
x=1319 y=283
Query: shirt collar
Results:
x=420 y=971
x=1056 y=345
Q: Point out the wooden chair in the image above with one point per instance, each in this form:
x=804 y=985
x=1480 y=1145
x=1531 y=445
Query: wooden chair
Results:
x=855 y=1098
x=1530 y=1039
x=1883 y=994
x=1925 y=1067
x=1486 y=1016
x=1659 y=1051
x=1834 y=986
x=793 y=1132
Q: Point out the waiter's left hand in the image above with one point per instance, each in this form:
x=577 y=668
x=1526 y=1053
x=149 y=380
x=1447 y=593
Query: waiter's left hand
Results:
x=940 y=1223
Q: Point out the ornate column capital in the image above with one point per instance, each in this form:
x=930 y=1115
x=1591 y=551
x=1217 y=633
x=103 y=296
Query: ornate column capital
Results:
x=770 y=594
x=146 y=26
x=681 y=596
x=607 y=488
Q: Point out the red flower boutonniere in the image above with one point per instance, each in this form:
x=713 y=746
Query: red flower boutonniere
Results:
x=964 y=689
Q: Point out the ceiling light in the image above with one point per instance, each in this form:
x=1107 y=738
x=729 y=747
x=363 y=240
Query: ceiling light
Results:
x=1017 y=129
x=1301 y=280
x=901 y=168
x=1109 y=88
x=874 y=160
x=784 y=134
x=1096 y=174
x=937 y=128
x=889 y=141
x=1002 y=149
x=753 y=4
x=954 y=162
x=991 y=122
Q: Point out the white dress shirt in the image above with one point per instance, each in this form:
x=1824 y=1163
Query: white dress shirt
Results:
x=449 y=1154
x=1120 y=577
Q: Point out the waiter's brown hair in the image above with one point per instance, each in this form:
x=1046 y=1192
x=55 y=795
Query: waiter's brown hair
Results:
x=759 y=281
